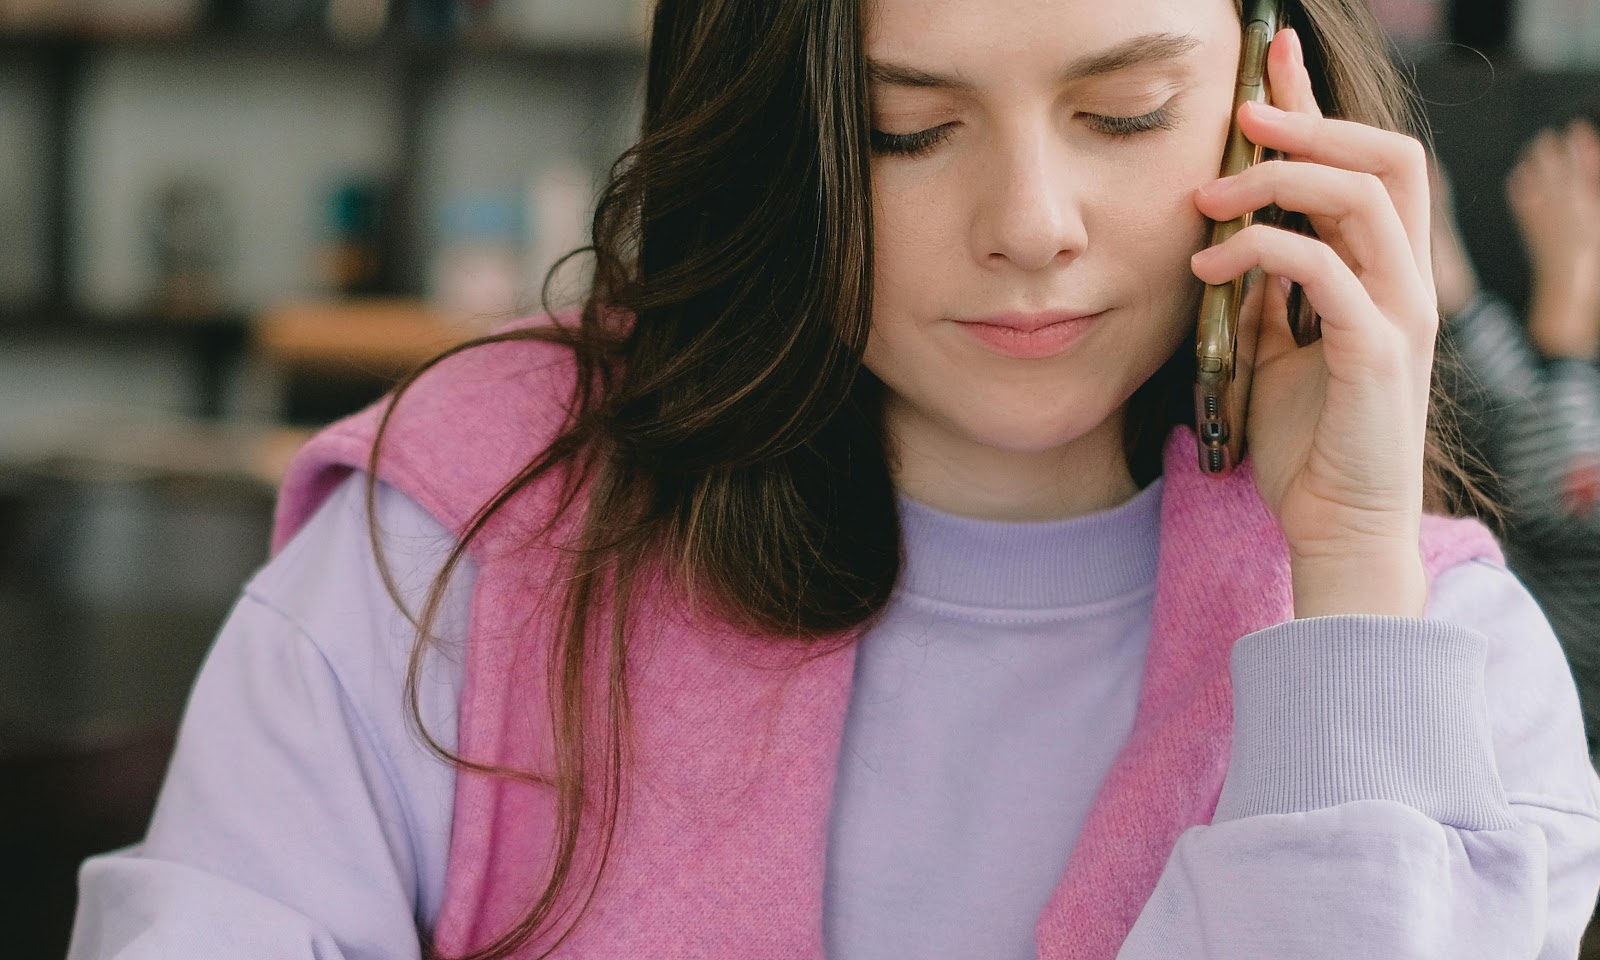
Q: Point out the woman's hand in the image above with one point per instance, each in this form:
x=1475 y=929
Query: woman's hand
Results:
x=1554 y=192
x=1336 y=429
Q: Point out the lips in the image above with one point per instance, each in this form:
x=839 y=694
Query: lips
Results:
x=1029 y=322
x=1030 y=336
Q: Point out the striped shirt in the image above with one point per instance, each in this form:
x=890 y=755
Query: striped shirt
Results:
x=1535 y=423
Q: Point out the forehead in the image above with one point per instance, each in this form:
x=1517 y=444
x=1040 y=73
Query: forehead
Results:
x=968 y=33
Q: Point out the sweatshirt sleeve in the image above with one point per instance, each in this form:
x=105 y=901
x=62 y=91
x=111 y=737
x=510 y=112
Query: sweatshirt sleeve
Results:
x=1398 y=788
x=300 y=816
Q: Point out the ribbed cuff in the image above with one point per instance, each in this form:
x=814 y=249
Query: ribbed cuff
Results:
x=1327 y=710
x=1470 y=310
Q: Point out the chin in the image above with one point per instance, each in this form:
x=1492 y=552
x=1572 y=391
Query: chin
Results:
x=946 y=404
x=1028 y=433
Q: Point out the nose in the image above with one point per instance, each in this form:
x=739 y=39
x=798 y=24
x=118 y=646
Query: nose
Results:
x=1029 y=212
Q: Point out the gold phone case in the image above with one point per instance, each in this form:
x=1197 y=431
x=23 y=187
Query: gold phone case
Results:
x=1230 y=312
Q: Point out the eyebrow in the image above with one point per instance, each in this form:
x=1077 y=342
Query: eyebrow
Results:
x=1146 y=48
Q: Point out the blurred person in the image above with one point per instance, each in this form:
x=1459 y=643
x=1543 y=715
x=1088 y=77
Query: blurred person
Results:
x=1530 y=391
x=841 y=579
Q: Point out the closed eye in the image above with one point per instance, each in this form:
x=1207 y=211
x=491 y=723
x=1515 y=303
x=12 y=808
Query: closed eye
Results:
x=1162 y=119
x=915 y=144
x=908 y=144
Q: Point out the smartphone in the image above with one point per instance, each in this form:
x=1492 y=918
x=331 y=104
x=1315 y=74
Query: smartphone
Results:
x=1230 y=313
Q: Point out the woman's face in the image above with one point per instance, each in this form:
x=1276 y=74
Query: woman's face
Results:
x=1027 y=200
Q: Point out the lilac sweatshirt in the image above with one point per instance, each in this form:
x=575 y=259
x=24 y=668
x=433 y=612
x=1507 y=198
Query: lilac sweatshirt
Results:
x=302 y=817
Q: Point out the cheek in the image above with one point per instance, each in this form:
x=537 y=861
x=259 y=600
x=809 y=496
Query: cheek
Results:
x=1151 y=232
x=1171 y=224
x=905 y=284
x=909 y=240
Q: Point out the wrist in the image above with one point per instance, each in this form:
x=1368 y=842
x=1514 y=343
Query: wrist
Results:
x=1387 y=582
x=1453 y=301
x=1564 y=317
x=1558 y=344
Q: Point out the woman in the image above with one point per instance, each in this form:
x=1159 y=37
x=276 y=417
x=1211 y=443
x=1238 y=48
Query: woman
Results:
x=1532 y=390
x=842 y=580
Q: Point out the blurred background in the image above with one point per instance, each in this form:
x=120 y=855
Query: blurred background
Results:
x=226 y=222
x=223 y=223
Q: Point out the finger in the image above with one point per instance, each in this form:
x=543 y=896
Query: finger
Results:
x=1539 y=144
x=1351 y=320
x=1523 y=167
x=1584 y=143
x=1523 y=201
x=1546 y=157
x=1395 y=159
x=1357 y=204
x=1289 y=82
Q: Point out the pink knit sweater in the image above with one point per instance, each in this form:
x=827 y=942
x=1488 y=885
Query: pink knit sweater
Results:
x=720 y=850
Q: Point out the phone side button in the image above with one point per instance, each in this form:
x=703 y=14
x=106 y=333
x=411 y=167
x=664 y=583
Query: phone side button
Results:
x=1256 y=42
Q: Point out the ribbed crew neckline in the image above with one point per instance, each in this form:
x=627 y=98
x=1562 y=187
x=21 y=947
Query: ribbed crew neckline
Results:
x=1031 y=565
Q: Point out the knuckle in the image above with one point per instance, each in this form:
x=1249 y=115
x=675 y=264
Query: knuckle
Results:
x=1257 y=236
x=1428 y=325
x=1410 y=154
x=1427 y=312
x=1328 y=259
x=1273 y=170
x=1370 y=187
x=1299 y=253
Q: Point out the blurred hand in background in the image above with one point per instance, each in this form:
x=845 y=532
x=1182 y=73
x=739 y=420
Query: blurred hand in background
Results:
x=1554 y=192
x=1527 y=390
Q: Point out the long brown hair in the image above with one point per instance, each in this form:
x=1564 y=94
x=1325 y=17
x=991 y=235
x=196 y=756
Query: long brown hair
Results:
x=722 y=426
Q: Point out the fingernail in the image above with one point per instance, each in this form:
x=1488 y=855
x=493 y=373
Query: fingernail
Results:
x=1285 y=283
x=1265 y=109
x=1295 y=52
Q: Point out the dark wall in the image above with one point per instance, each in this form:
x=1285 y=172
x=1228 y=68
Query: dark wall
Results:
x=1482 y=116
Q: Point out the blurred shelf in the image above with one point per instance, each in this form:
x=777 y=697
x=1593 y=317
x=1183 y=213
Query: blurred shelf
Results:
x=373 y=338
x=386 y=337
x=590 y=64
x=209 y=347
x=142 y=446
x=55 y=322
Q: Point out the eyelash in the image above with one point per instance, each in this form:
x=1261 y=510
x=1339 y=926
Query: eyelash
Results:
x=1120 y=128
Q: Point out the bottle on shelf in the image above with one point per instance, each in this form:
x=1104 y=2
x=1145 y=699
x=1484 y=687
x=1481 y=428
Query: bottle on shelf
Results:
x=357 y=214
x=187 y=233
